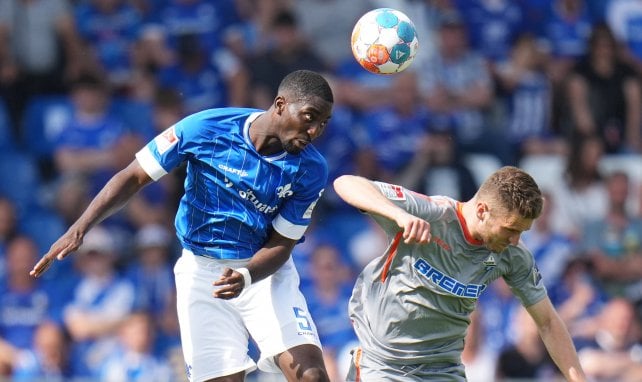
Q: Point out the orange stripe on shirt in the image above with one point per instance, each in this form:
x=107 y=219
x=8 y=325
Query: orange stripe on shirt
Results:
x=357 y=366
x=391 y=255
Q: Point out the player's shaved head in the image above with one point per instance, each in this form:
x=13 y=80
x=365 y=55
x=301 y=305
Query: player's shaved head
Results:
x=304 y=84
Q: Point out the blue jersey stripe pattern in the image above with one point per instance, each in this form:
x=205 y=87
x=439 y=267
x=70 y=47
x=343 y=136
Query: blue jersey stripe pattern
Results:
x=233 y=194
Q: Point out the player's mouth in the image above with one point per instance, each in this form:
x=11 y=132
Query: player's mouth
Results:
x=302 y=143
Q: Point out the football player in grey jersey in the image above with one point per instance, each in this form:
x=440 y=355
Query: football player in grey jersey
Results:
x=411 y=307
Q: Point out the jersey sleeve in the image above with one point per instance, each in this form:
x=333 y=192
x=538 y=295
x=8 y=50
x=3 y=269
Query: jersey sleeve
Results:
x=168 y=149
x=524 y=279
x=296 y=213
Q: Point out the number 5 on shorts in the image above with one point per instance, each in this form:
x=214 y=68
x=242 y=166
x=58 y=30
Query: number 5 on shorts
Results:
x=304 y=323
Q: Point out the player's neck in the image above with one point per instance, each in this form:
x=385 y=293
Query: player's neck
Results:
x=264 y=141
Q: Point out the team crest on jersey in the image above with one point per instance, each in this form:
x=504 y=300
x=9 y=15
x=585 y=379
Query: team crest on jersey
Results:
x=392 y=191
x=166 y=139
x=490 y=262
x=284 y=191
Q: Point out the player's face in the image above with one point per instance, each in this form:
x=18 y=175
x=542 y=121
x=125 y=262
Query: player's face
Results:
x=500 y=229
x=305 y=120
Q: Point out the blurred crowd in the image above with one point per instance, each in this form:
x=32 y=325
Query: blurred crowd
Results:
x=552 y=86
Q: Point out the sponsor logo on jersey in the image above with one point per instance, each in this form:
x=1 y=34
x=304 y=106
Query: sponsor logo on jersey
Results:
x=262 y=207
x=392 y=192
x=166 y=140
x=308 y=213
x=447 y=283
x=236 y=171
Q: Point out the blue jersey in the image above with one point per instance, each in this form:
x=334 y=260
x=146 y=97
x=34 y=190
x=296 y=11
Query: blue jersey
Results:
x=233 y=194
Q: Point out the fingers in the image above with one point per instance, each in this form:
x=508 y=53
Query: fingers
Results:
x=417 y=231
x=41 y=266
x=231 y=284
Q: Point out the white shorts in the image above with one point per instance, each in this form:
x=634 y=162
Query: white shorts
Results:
x=215 y=332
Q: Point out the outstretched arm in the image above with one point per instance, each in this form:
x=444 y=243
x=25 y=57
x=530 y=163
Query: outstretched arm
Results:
x=120 y=188
x=364 y=195
x=557 y=340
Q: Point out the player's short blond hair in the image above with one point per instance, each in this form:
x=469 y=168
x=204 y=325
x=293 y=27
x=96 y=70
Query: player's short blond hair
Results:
x=514 y=190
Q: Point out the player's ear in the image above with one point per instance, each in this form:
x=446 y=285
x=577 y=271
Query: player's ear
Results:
x=481 y=208
x=279 y=104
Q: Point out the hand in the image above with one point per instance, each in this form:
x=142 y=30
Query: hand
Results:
x=233 y=284
x=66 y=244
x=415 y=229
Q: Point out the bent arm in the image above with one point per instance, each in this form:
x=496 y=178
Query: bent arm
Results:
x=557 y=340
x=265 y=262
x=114 y=195
x=361 y=193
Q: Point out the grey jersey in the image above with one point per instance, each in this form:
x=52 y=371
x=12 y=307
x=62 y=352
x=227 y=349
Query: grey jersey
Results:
x=412 y=305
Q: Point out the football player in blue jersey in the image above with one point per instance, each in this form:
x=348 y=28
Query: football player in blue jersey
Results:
x=252 y=182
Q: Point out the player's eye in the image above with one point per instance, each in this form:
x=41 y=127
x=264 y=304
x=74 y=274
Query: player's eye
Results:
x=308 y=117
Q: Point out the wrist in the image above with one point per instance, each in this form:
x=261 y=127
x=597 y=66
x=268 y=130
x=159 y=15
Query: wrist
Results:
x=247 y=278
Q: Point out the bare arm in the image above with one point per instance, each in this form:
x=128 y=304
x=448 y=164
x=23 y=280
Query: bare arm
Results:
x=361 y=193
x=120 y=188
x=265 y=262
x=557 y=340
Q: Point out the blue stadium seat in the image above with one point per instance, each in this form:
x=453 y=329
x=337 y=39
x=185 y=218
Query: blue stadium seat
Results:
x=19 y=179
x=43 y=121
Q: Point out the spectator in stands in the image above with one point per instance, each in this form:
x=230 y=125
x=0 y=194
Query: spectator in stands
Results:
x=24 y=303
x=566 y=31
x=614 y=242
x=395 y=131
x=204 y=79
x=207 y=21
x=552 y=250
x=46 y=360
x=577 y=296
x=457 y=84
x=100 y=302
x=132 y=359
x=328 y=296
x=94 y=142
x=8 y=228
x=288 y=51
x=613 y=348
x=39 y=51
x=582 y=195
x=109 y=29
x=605 y=95
x=623 y=16
x=437 y=168
x=525 y=95
x=333 y=47
x=526 y=357
x=152 y=275
x=493 y=25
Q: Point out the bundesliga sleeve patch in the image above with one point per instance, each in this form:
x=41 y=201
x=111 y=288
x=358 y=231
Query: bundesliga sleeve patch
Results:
x=391 y=191
x=166 y=139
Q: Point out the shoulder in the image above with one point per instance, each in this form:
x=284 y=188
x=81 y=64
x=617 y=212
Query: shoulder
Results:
x=218 y=119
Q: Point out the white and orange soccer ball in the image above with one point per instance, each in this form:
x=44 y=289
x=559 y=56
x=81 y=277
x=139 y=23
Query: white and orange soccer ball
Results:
x=384 y=41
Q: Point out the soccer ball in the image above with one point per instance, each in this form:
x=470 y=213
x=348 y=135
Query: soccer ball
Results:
x=384 y=41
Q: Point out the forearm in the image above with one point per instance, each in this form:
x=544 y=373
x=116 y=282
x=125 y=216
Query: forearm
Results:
x=114 y=195
x=362 y=193
x=270 y=258
x=560 y=346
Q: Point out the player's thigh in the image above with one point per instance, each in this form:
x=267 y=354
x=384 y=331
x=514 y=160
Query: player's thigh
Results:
x=213 y=336
x=276 y=315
